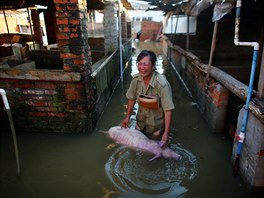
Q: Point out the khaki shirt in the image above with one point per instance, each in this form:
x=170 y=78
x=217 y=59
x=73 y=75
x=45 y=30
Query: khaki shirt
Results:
x=151 y=120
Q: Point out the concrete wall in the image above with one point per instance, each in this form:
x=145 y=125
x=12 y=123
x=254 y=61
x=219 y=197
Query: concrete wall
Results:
x=252 y=156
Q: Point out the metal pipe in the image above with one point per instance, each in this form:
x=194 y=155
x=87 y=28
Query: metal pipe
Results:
x=171 y=22
x=33 y=39
x=7 y=107
x=106 y=61
x=175 y=31
x=3 y=94
x=188 y=35
x=255 y=45
x=120 y=40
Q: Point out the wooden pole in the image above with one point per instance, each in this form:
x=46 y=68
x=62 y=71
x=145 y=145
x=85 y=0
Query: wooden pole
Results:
x=211 y=53
x=212 y=49
x=7 y=27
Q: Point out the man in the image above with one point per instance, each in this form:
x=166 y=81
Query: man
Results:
x=153 y=93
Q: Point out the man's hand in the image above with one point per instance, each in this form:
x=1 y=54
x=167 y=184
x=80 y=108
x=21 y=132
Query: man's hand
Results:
x=164 y=140
x=130 y=106
x=125 y=123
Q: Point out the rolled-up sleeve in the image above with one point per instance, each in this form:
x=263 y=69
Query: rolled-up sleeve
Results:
x=166 y=98
x=131 y=92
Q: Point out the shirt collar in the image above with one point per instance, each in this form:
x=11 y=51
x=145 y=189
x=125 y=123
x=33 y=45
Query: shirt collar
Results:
x=152 y=80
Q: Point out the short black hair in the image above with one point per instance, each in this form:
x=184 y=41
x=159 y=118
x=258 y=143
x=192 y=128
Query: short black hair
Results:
x=151 y=54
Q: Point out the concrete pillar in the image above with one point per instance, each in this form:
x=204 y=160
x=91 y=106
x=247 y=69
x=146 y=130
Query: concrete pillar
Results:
x=252 y=156
x=110 y=28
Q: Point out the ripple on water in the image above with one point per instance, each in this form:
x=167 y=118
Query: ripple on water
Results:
x=135 y=176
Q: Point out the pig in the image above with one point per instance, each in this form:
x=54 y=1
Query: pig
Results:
x=135 y=139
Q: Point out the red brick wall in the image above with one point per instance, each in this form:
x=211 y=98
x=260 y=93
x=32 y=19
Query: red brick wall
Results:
x=57 y=101
x=46 y=106
x=149 y=30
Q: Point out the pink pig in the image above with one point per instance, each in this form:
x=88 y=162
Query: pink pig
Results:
x=135 y=139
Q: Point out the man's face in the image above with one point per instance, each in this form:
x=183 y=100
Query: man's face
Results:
x=145 y=67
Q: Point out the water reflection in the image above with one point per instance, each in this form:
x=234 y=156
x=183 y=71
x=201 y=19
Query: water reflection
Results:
x=159 y=64
x=132 y=173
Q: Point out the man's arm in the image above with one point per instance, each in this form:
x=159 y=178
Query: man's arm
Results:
x=130 y=106
x=168 y=117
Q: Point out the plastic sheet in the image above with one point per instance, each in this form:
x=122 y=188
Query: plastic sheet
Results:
x=221 y=8
x=195 y=7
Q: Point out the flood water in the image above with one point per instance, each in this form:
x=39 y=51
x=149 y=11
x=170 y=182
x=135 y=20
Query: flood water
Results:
x=91 y=165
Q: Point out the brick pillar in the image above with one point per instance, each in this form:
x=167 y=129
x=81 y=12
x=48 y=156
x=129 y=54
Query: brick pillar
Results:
x=110 y=28
x=36 y=27
x=124 y=27
x=219 y=95
x=72 y=36
x=216 y=113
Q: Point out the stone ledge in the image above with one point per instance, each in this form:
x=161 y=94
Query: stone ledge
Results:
x=54 y=75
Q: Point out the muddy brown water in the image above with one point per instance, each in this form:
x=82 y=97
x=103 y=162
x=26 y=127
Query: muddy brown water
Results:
x=91 y=165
